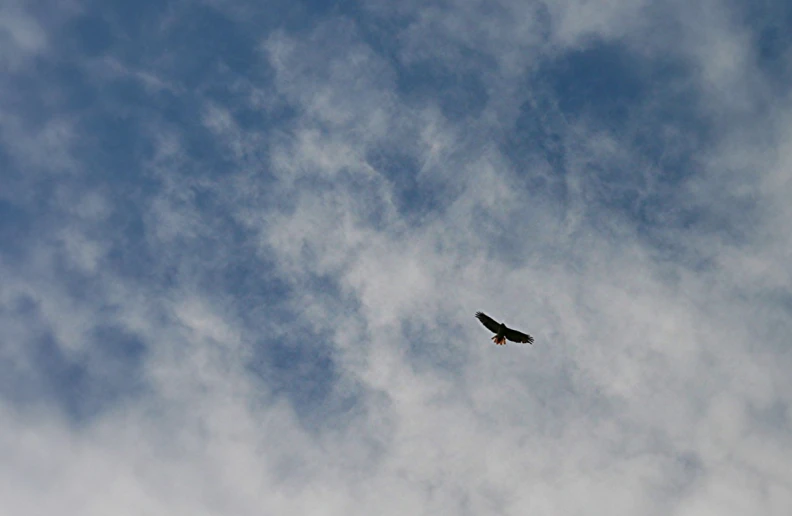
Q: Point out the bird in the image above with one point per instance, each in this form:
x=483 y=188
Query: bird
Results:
x=503 y=332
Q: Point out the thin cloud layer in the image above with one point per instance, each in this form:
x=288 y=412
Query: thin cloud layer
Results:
x=240 y=261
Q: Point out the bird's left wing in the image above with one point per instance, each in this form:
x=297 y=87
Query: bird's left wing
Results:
x=518 y=336
x=487 y=321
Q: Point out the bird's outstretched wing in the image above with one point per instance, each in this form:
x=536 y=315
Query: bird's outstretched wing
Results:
x=489 y=322
x=518 y=336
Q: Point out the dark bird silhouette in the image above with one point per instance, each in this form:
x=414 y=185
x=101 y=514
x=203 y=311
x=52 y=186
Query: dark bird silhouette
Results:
x=503 y=332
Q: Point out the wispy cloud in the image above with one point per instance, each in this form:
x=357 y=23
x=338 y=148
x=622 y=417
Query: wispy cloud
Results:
x=241 y=256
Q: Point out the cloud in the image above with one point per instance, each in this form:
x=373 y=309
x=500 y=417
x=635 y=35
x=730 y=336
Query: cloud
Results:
x=23 y=36
x=254 y=289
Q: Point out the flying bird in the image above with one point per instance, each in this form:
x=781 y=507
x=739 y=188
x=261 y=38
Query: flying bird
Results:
x=503 y=332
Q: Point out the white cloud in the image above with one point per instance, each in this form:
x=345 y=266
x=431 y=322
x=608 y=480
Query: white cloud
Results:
x=21 y=37
x=656 y=386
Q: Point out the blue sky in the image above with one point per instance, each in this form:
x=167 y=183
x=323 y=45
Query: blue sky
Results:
x=242 y=244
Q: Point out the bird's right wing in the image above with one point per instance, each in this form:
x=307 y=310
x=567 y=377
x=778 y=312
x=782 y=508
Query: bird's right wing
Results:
x=487 y=321
x=518 y=336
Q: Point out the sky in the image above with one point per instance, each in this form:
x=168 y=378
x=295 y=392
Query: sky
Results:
x=242 y=244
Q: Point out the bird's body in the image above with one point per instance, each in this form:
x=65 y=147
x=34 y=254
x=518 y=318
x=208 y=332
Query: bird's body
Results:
x=503 y=332
x=500 y=335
